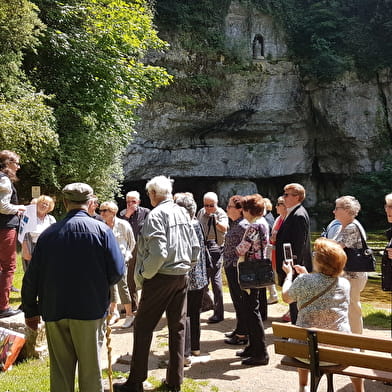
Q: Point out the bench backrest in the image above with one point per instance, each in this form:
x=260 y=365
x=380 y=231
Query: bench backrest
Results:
x=379 y=358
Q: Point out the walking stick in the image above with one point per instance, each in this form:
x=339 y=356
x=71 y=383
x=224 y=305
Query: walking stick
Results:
x=109 y=350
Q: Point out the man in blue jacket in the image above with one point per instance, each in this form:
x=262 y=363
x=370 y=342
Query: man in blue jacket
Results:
x=67 y=283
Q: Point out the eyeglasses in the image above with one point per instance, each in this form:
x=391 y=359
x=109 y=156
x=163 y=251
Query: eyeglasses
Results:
x=289 y=194
x=104 y=210
x=209 y=205
x=279 y=204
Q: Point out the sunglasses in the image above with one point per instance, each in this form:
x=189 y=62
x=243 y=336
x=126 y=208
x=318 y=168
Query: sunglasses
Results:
x=209 y=205
x=289 y=194
x=104 y=210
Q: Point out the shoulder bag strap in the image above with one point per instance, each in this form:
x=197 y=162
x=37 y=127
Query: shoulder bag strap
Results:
x=262 y=237
x=364 y=244
x=211 y=222
x=319 y=295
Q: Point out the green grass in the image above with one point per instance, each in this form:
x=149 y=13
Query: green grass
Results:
x=373 y=317
x=33 y=375
x=28 y=376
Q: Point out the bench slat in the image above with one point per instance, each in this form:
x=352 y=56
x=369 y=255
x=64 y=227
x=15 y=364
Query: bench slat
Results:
x=334 y=338
x=335 y=355
x=351 y=371
x=289 y=331
x=354 y=341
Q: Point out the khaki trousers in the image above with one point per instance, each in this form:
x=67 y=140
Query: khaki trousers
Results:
x=357 y=284
x=75 y=342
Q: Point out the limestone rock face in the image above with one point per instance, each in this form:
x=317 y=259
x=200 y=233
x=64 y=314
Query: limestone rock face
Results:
x=267 y=126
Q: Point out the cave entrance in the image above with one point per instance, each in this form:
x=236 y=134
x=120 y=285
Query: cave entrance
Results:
x=258 y=47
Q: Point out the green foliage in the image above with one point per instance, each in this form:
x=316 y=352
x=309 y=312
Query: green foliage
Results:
x=370 y=189
x=327 y=38
x=198 y=24
x=27 y=124
x=20 y=29
x=91 y=64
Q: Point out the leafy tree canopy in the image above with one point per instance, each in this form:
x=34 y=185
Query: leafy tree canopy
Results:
x=27 y=124
x=87 y=56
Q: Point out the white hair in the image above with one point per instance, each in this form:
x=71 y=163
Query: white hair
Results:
x=134 y=194
x=349 y=203
x=388 y=198
x=211 y=196
x=110 y=205
x=161 y=185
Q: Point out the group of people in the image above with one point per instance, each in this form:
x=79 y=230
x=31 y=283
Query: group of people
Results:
x=77 y=270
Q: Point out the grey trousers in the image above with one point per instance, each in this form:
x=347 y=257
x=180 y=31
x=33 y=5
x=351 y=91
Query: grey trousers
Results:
x=159 y=294
x=75 y=342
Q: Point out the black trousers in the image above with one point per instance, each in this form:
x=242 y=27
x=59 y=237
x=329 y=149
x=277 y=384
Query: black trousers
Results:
x=192 y=340
x=159 y=294
x=215 y=277
x=256 y=346
x=236 y=296
x=131 y=281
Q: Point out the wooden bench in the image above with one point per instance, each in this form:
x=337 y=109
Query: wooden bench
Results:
x=375 y=363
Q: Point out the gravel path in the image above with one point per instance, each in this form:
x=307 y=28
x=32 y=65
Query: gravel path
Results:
x=219 y=366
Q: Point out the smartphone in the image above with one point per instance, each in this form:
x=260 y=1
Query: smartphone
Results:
x=288 y=253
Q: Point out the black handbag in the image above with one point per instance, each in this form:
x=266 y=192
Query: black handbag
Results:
x=255 y=273
x=360 y=260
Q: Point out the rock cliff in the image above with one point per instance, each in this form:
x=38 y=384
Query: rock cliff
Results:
x=266 y=126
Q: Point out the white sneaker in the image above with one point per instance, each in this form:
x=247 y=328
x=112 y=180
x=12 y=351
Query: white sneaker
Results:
x=128 y=321
x=272 y=300
x=304 y=388
x=115 y=317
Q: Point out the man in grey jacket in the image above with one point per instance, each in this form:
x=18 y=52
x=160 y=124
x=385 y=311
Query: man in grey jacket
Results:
x=167 y=247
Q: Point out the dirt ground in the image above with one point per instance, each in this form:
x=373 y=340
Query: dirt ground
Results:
x=219 y=367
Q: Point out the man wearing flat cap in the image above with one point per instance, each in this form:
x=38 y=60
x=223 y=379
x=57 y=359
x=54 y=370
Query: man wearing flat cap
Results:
x=67 y=283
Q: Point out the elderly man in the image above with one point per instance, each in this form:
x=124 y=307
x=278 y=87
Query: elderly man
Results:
x=167 y=247
x=295 y=230
x=73 y=266
x=135 y=215
x=215 y=223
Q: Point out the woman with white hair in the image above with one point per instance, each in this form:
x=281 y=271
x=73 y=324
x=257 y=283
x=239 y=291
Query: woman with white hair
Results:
x=198 y=280
x=349 y=236
x=45 y=204
x=124 y=235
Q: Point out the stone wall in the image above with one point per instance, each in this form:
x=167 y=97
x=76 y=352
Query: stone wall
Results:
x=268 y=126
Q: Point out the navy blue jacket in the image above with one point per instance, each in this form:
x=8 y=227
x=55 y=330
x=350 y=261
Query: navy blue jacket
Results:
x=74 y=263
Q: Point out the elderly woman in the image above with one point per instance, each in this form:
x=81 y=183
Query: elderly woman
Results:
x=124 y=235
x=322 y=297
x=198 y=280
x=348 y=236
x=254 y=245
x=45 y=204
x=237 y=228
x=9 y=222
x=386 y=266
